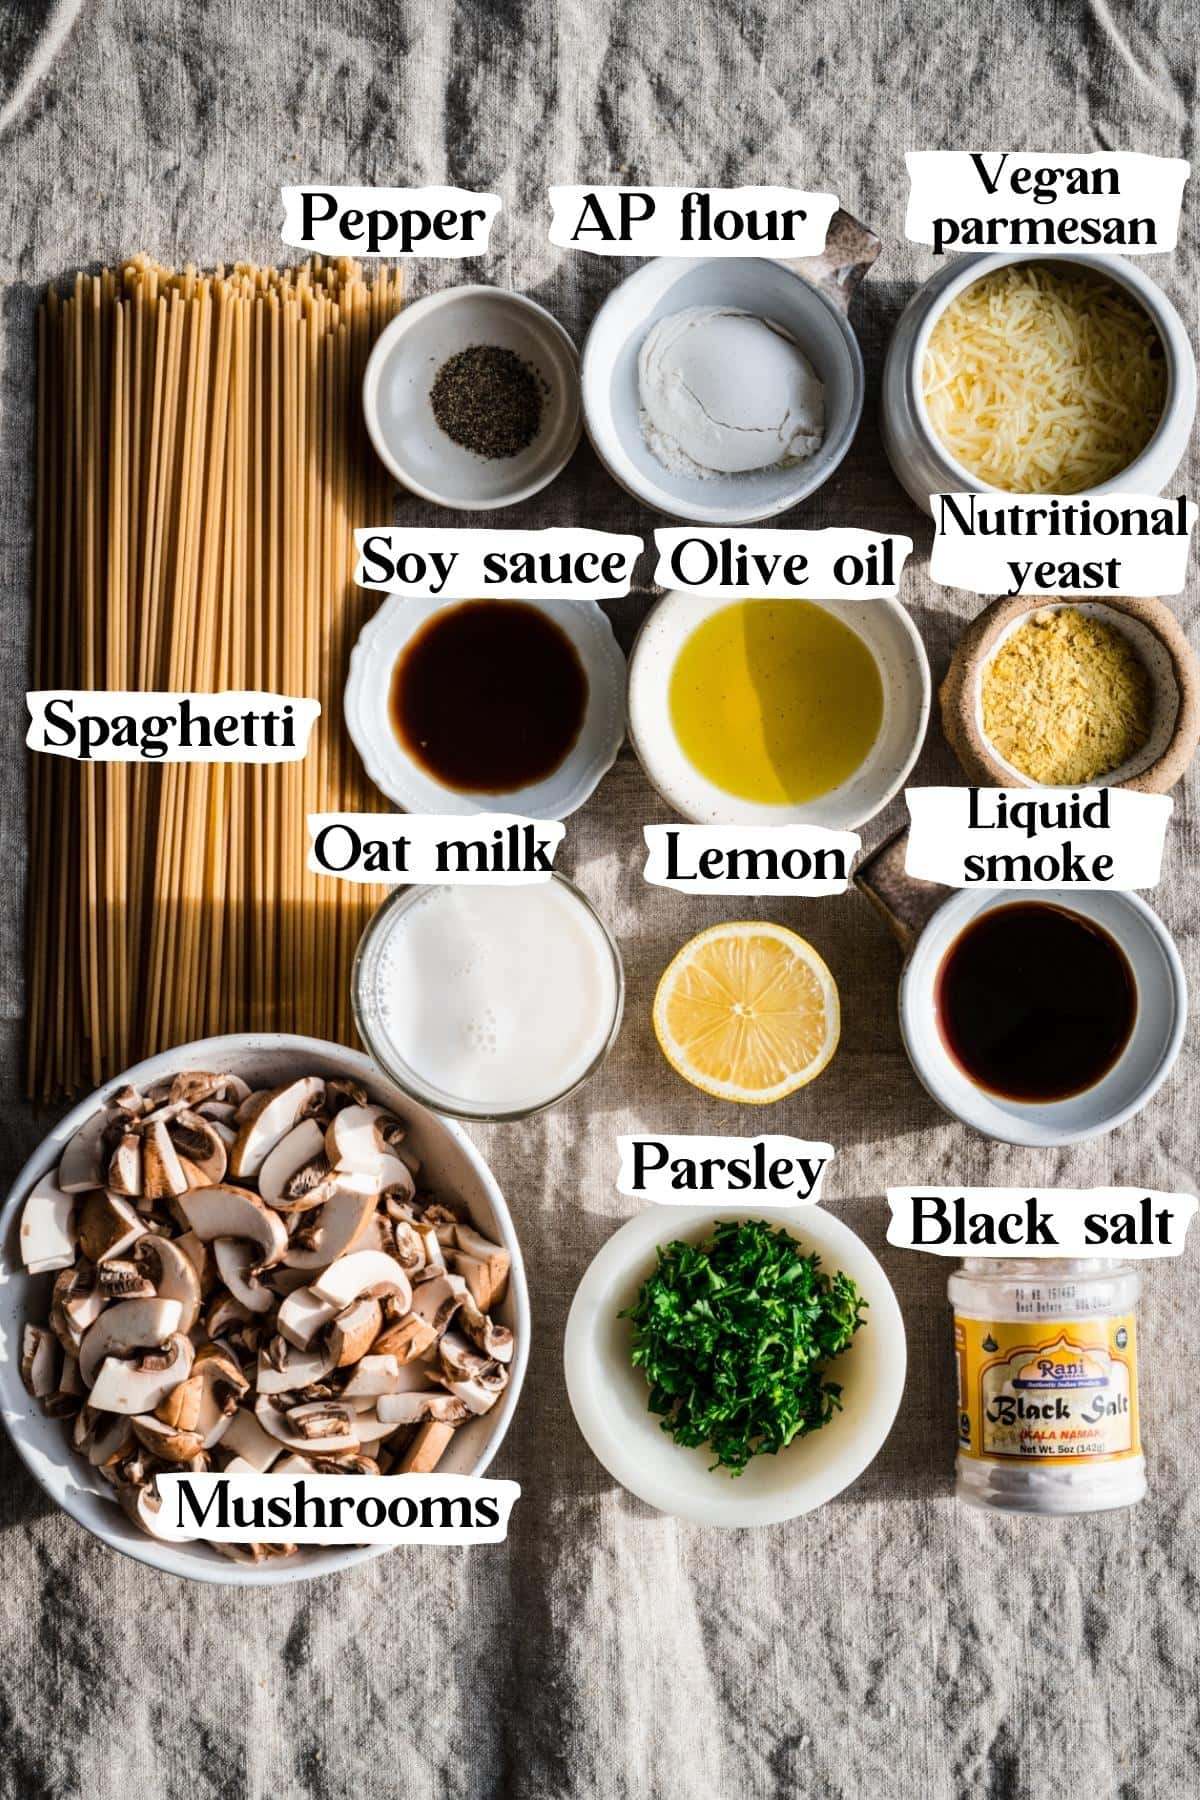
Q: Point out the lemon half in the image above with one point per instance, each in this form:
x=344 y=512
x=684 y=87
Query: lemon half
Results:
x=748 y=1012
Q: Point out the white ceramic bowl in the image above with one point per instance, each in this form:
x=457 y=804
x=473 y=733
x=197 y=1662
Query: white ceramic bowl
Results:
x=399 y=374
x=1137 y=1074
x=450 y=1164
x=395 y=773
x=759 y=286
x=608 y=1395
x=920 y=460
x=889 y=633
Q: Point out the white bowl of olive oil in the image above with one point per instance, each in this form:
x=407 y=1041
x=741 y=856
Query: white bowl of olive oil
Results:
x=778 y=712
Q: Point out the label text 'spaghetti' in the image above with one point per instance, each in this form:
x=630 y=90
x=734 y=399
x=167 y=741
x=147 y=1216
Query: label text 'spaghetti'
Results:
x=89 y=725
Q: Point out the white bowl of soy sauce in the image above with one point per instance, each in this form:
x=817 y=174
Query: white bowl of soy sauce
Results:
x=1043 y=1019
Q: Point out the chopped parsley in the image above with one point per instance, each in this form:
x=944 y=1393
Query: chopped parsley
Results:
x=734 y=1335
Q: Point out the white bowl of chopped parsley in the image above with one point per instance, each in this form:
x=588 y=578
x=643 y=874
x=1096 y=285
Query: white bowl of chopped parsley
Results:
x=732 y=1368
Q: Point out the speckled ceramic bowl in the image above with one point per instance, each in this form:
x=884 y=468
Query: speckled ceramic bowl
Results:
x=893 y=641
x=1153 y=631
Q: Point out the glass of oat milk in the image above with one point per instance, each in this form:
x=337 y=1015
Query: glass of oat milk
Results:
x=488 y=1002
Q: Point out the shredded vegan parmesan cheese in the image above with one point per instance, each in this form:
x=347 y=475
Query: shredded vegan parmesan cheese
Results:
x=1044 y=381
x=1066 y=699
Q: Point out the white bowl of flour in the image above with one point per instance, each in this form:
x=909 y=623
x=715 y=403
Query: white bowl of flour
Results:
x=697 y=370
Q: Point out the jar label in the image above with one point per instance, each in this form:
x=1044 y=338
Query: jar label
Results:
x=1061 y=1391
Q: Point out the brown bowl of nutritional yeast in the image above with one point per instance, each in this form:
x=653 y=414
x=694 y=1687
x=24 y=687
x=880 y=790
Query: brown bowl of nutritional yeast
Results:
x=1048 y=692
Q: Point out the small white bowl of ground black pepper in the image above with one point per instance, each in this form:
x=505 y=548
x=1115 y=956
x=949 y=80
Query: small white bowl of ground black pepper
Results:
x=471 y=398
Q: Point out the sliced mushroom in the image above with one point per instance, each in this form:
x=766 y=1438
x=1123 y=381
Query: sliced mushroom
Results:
x=166 y=1441
x=76 y=1303
x=320 y=1426
x=436 y=1301
x=236 y=1264
x=226 y=1316
x=124 y=1328
x=125 y=1166
x=408 y=1339
x=295 y=1176
x=285 y=1370
x=352 y=1139
x=222 y=1385
x=104 y=1438
x=334 y=1328
x=480 y=1393
x=200 y=1257
x=337 y=1228
x=374 y=1375
x=172 y=1274
x=409 y=1247
x=200 y=1144
x=233 y=1212
x=39 y=1361
x=354 y=1331
x=247 y=1439
x=435 y=1256
x=341 y=1092
x=416 y=1405
x=458 y=1358
x=302 y=1315
x=222 y=1113
x=70 y=1381
x=108 y=1226
x=139 y=1386
x=282 y=1109
x=483 y=1265
x=163 y=1173
x=129 y=1103
x=47 y=1235
x=118 y=1279
x=371 y=1430
x=496 y=1341
x=426 y=1450
x=83 y=1160
x=368 y=1273
x=194 y=1087
x=144 y=1504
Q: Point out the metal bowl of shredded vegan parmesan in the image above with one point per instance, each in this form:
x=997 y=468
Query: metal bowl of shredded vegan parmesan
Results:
x=1060 y=694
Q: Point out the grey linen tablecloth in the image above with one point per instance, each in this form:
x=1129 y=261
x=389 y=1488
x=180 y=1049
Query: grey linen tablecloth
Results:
x=894 y=1643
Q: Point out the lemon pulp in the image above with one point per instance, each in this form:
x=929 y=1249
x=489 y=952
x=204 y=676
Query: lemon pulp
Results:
x=775 y=701
x=747 y=1011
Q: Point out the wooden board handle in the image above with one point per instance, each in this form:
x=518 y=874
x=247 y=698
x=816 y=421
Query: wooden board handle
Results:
x=905 y=903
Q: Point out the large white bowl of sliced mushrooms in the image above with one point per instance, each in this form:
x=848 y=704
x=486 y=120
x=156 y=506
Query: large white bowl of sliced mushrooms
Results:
x=253 y=1254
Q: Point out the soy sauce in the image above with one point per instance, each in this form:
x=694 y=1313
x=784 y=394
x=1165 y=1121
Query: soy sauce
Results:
x=1034 y=1002
x=489 y=696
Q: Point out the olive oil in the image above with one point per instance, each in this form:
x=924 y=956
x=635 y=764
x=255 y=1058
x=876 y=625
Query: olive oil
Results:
x=775 y=701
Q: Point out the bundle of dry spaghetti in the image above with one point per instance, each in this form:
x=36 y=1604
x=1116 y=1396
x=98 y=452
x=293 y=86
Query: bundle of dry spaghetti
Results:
x=201 y=467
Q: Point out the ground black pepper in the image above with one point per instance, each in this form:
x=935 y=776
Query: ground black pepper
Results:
x=488 y=400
